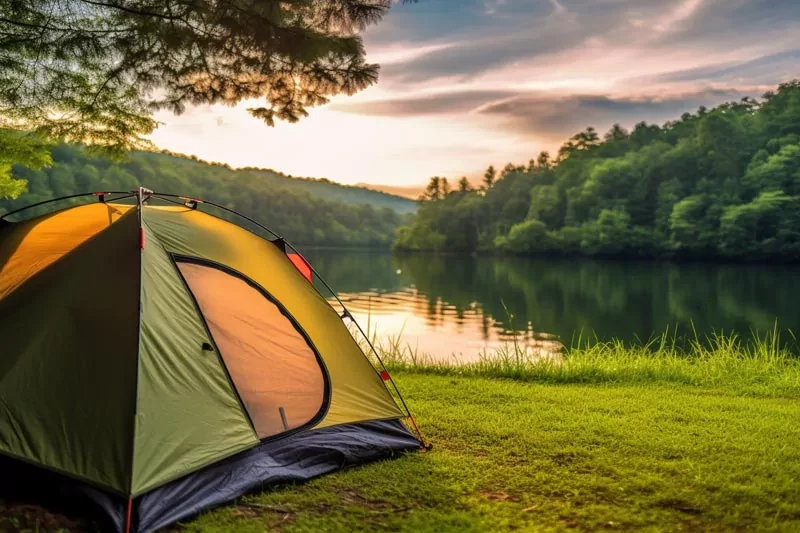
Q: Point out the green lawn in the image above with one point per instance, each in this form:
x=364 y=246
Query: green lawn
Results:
x=522 y=456
x=693 y=448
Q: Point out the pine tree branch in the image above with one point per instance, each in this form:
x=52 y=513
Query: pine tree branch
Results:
x=129 y=10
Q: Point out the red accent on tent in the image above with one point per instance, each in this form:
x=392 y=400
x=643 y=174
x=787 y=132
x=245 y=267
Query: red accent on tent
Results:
x=141 y=238
x=385 y=375
x=301 y=264
x=128 y=519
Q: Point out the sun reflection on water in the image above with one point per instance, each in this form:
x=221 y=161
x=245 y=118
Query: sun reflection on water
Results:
x=437 y=329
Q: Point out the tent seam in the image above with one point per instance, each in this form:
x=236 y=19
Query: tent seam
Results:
x=138 y=347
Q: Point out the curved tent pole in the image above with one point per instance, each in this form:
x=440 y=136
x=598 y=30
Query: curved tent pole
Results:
x=126 y=194
x=324 y=283
x=166 y=196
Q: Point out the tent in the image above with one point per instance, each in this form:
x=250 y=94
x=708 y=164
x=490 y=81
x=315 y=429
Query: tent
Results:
x=159 y=360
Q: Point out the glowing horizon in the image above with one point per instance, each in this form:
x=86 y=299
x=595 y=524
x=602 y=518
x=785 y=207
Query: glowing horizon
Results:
x=496 y=81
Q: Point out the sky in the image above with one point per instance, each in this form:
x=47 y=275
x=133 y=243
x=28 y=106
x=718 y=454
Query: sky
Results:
x=469 y=83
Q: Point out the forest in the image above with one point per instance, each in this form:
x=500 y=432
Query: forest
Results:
x=718 y=183
x=306 y=212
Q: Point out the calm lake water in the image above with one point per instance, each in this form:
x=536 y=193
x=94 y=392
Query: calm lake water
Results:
x=458 y=306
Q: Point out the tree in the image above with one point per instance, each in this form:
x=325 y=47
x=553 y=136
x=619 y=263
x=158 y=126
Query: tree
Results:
x=527 y=236
x=433 y=191
x=585 y=139
x=19 y=149
x=688 y=222
x=616 y=133
x=744 y=227
x=610 y=231
x=445 y=187
x=543 y=160
x=94 y=70
x=547 y=205
x=489 y=177
x=780 y=171
x=644 y=133
x=464 y=185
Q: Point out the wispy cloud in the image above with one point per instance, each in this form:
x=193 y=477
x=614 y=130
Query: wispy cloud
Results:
x=554 y=118
x=545 y=115
x=442 y=103
x=766 y=70
x=673 y=18
x=558 y=7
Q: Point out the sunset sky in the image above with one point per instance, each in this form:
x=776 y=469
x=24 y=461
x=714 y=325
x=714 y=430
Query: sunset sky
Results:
x=468 y=83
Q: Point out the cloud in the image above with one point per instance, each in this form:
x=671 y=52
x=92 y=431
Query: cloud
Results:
x=768 y=70
x=681 y=13
x=444 y=103
x=740 y=23
x=478 y=37
x=512 y=33
x=555 y=118
x=558 y=7
x=546 y=115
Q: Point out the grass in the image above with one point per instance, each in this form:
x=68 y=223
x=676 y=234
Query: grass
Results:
x=605 y=438
x=764 y=365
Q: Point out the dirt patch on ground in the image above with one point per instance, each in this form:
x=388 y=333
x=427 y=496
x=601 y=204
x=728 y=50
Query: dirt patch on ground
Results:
x=493 y=496
x=679 y=505
x=29 y=517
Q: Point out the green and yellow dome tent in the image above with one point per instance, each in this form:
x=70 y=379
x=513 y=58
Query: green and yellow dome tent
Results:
x=160 y=360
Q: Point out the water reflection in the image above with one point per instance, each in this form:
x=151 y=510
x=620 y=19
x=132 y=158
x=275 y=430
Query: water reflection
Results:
x=461 y=305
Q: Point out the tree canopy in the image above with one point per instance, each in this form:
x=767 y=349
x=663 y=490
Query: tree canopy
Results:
x=19 y=149
x=93 y=71
x=723 y=182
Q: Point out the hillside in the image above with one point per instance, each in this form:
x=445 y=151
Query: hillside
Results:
x=328 y=190
x=319 y=187
x=307 y=212
x=411 y=192
x=718 y=183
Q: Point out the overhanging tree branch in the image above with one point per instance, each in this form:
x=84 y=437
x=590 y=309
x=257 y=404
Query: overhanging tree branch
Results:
x=107 y=64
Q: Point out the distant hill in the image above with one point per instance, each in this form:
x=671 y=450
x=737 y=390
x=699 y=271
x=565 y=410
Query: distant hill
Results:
x=306 y=211
x=411 y=192
x=319 y=187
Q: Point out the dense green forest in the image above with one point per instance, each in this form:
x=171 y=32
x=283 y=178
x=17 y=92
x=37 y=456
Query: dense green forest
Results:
x=722 y=183
x=309 y=212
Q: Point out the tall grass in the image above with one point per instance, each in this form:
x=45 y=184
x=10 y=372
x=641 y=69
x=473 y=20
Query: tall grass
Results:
x=763 y=365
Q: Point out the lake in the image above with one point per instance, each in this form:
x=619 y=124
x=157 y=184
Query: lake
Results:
x=449 y=306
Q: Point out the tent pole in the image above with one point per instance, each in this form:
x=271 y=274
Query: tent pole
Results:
x=71 y=196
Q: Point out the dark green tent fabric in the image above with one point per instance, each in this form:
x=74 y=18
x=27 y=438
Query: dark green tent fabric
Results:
x=70 y=342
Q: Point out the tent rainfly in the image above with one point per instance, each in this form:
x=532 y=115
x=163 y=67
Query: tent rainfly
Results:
x=157 y=360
